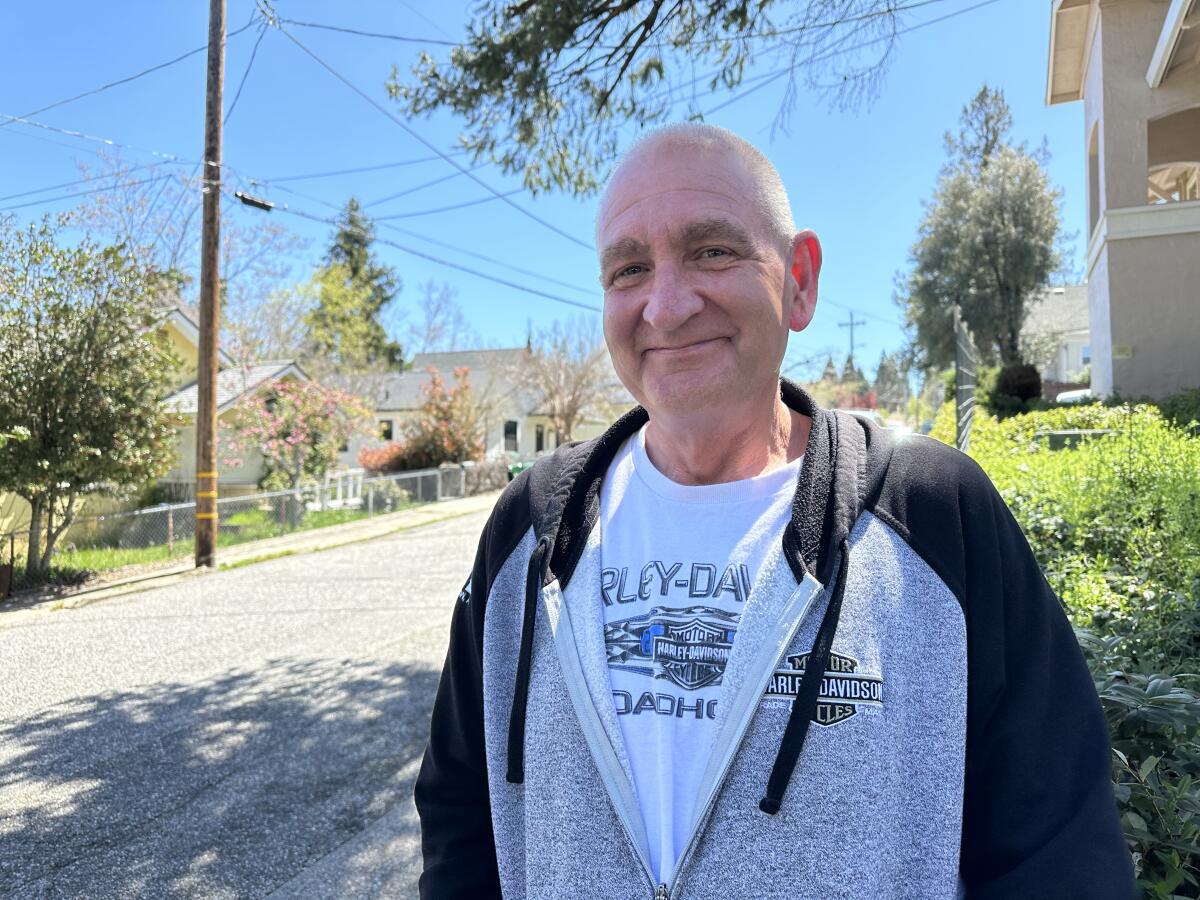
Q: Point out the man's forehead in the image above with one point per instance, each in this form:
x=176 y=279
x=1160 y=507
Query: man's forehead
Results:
x=668 y=167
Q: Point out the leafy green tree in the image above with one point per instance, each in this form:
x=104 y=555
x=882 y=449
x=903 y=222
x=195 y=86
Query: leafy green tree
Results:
x=82 y=372
x=353 y=290
x=988 y=243
x=544 y=87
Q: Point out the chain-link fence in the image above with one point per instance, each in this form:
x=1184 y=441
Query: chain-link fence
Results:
x=162 y=533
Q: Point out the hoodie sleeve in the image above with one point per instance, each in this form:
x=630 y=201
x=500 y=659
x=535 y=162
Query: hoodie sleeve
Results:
x=452 y=787
x=1039 y=817
x=451 y=794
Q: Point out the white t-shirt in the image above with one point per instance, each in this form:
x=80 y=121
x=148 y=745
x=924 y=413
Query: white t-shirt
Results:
x=678 y=563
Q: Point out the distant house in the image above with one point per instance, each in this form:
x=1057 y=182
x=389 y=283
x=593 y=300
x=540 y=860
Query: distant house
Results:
x=234 y=382
x=1135 y=64
x=514 y=426
x=1056 y=337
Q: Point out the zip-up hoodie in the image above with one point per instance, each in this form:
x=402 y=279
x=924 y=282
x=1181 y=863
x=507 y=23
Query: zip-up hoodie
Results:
x=905 y=711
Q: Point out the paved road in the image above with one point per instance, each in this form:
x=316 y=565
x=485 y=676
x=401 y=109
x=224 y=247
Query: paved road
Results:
x=251 y=733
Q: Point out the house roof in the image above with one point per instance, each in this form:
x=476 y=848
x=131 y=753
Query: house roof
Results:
x=179 y=316
x=387 y=391
x=1059 y=310
x=234 y=383
x=488 y=360
x=1070 y=25
x=1178 y=42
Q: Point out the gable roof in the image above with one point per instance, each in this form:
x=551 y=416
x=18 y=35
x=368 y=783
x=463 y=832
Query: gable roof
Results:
x=179 y=317
x=233 y=384
x=1058 y=310
x=387 y=391
x=487 y=360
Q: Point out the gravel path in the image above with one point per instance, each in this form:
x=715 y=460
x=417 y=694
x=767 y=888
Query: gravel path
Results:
x=250 y=733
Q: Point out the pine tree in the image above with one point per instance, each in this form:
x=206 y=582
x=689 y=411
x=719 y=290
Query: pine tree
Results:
x=353 y=290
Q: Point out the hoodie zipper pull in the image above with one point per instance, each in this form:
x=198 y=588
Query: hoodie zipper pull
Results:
x=662 y=893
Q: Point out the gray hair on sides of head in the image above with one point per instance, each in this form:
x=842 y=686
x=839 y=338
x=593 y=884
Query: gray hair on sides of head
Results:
x=771 y=197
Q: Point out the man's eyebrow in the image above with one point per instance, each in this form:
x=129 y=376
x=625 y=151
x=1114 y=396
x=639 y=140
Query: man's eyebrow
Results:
x=621 y=249
x=723 y=230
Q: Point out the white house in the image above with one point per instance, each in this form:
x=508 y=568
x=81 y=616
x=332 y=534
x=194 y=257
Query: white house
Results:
x=514 y=426
x=1056 y=332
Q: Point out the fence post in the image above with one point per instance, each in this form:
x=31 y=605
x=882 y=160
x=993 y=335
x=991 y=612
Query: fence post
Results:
x=437 y=485
x=370 y=500
x=170 y=531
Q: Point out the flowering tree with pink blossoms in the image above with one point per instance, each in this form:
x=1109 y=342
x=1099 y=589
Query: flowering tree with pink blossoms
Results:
x=297 y=426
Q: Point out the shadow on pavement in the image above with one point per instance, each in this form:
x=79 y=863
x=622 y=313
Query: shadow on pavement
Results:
x=226 y=788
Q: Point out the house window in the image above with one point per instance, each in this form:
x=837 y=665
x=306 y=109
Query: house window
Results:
x=539 y=438
x=510 y=436
x=385 y=429
x=1085 y=354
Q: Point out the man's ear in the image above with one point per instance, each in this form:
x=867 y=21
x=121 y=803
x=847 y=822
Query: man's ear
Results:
x=805 y=271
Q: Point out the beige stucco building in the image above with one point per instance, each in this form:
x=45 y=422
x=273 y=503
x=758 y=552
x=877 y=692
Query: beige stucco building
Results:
x=1135 y=64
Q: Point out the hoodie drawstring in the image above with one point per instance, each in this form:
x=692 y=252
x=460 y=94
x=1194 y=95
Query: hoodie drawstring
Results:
x=805 y=703
x=539 y=562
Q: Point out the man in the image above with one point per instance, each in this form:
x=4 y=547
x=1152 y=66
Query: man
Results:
x=740 y=646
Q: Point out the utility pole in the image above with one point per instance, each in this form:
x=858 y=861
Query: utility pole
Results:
x=210 y=295
x=853 y=322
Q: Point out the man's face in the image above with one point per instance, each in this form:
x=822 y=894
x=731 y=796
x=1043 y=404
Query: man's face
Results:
x=698 y=294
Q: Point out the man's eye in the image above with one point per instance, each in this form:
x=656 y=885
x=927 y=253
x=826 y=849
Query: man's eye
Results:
x=630 y=270
x=713 y=252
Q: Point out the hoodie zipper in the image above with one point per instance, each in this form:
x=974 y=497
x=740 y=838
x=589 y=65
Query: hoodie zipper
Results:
x=663 y=891
x=603 y=753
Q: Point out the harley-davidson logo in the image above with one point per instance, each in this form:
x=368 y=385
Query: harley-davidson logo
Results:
x=843 y=689
x=688 y=646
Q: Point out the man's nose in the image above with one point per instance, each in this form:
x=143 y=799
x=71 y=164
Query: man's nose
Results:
x=672 y=300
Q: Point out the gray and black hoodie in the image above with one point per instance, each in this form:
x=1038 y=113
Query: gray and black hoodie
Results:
x=905 y=711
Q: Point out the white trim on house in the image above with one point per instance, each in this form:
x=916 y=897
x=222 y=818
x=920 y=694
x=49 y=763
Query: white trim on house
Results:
x=191 y=331
x=1168 y=40
x=1072 y=27
x=1156 y=220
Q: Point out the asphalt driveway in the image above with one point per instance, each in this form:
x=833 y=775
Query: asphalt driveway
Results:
x=252 y=733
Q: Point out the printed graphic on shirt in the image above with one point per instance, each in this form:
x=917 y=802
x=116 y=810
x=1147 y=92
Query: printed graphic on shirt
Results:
x=658 y=579
x=844 y=688
x=689 y=646
x=464 y=596
x=663 y=705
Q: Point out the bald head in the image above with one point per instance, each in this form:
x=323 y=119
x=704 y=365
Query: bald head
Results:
x=768 y=192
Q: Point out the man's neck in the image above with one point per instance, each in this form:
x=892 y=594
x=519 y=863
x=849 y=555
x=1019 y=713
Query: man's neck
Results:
x=756 y=439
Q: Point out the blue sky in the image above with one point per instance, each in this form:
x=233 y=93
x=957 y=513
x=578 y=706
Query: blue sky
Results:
x=858 y=176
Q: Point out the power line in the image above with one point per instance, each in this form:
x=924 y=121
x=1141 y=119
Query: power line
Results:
x=371 y=34
x=128 y=78
x=895 y=323
x=168 y=157
x=111 y=187
x=225 y=121
x=67 y=184
x=447 y=246
x=444 y=262
x=360 y=169
x=246 y=74
x=415 y=135
x=442 y=209
x=419 y=187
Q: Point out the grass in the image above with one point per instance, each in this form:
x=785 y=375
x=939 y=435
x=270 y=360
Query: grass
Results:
x=74 y=564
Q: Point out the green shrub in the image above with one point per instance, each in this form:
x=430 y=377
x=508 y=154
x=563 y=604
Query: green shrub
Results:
x=1115 y=523
x=1182 y=408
